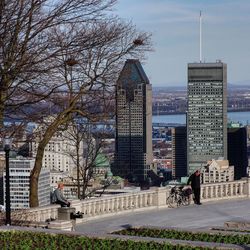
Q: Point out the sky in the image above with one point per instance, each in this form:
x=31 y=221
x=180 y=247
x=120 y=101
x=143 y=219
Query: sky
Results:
x=174 y=25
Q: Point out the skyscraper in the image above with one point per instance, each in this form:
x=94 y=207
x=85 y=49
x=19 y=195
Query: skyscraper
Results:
x=207 y=113
x=133 y=153
x=20 y=169
x=179 y=152
x=237 y=151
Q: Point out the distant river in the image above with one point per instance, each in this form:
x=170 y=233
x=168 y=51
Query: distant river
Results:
x=241 y=117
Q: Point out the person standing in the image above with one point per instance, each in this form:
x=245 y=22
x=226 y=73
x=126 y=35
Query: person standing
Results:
x=195 y=181
x=60 y=199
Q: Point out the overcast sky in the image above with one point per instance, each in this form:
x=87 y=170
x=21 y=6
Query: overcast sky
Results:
x=174 y=25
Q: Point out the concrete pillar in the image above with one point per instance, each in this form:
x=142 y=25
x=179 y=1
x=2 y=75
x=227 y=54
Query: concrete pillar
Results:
x=77 y=204
x=161 y=196
x=65 y=213
x=248 y=187
x=61 y=225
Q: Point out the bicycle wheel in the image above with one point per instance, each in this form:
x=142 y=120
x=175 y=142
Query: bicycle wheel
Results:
x=178 y=200
x=171 y=201
x=185 y=201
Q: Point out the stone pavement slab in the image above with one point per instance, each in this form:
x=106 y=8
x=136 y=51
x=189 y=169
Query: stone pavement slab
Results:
x=209 y=214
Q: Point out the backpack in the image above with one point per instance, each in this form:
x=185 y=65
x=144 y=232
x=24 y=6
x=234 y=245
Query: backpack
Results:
x=53 y=197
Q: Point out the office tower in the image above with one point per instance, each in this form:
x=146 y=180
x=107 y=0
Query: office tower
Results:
x=133 y=152
x=20 y=169
x=248 y=144
x=207 y=113
x=179 y=152
x=237 y=151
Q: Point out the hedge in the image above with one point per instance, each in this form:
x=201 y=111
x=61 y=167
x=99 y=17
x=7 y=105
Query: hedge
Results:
x=240 y=239
x=24 y=240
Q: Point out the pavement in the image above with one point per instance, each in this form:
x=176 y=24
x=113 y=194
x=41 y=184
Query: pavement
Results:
x=209 y=214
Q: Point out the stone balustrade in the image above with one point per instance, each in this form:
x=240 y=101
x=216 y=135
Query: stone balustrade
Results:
x=225 y=190
x=119 y=203
x=139 y=200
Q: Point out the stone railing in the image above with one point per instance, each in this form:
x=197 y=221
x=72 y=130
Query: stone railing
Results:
x=225 y=190
x=119 y=203
x=139 y=200
x=38 y=214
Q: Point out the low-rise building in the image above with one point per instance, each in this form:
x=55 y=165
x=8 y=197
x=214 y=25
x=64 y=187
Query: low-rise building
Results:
x=217 y=171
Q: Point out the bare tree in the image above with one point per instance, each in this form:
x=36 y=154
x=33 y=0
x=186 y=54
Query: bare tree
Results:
x=29 y=49
x=87 y=70
x=85 y=153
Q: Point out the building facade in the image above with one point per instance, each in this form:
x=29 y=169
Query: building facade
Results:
x=179 y=152
x=64 y=149
x=207 y=113
x=217 y=171
x=20 y=169
x=133 y=152
x=248 y=143
x=57 y=153
x=237 y=151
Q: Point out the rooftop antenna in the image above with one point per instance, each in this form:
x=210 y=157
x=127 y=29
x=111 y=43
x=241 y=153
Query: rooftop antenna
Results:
x=200 y=37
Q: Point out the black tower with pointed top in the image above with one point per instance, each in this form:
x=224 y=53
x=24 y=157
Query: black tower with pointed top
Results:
x=133 y=153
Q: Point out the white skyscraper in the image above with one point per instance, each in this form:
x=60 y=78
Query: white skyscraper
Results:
x=207 y=113
x=20 y=169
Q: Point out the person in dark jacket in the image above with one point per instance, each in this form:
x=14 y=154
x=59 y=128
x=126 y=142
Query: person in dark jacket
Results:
x=195 y=181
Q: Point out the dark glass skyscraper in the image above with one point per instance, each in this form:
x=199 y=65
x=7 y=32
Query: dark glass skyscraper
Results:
x=133 y=154
x=207 y=113
x=179 y=152
x=237 y=151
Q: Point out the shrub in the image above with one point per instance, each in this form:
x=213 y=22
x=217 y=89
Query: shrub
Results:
x=44 y=241
x=185 y=235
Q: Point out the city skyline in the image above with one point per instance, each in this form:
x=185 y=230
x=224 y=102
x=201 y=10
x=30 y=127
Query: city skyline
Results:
x=175 y=34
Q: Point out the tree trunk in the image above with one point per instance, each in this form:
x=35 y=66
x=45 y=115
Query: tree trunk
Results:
x=50 y=131
x=35 y=175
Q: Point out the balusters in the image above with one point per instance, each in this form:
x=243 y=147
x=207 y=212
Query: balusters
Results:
x=150 y=199
x=241 y=188
x=226 y=190
x=216 y=193
x=232 y=186
x=134 y=201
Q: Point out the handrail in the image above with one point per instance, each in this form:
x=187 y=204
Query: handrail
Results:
x=138 y=200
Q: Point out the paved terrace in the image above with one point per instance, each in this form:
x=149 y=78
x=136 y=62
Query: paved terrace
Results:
x=209 y=214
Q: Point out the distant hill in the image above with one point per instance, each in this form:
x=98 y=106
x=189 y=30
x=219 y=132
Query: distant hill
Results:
x=169 y=88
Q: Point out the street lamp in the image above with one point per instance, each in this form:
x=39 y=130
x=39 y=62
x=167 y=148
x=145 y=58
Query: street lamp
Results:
x=161 y=176
x=71 y=62
x=7 y=146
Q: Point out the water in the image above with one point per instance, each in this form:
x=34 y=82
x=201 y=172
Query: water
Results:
x=236 y=117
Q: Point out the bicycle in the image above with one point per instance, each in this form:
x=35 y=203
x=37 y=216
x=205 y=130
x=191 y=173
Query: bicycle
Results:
x=178 y=197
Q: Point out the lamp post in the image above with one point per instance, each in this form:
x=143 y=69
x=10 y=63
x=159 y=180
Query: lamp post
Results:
x=7 y=146
x=71 y=62
x=161 y=176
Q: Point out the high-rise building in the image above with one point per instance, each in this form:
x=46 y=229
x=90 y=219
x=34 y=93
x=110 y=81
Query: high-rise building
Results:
x=20 y=169
x=179 y=152
x=237 y=151
x=57 y=153
x=248 y=143
x=133 y=153
x=61 y=151
x=207 y=113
